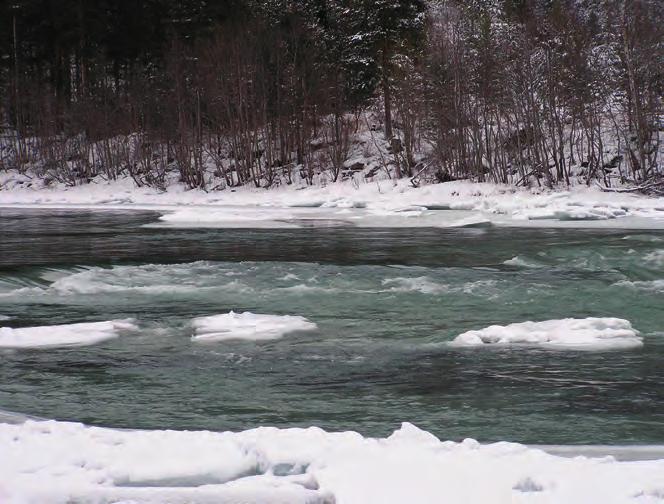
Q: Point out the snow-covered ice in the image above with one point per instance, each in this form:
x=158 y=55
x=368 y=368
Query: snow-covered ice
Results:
x=579 y=334
x=381 y=203
x=86 y=333
x=232 y=217
x=48 y=462
x=248 y=326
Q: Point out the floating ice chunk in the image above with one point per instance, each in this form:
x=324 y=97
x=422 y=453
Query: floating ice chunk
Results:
x=4 y=317
x=578 y=334
x=248 y=326
x=87 y=333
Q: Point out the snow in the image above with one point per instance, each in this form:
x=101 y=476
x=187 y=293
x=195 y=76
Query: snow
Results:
x=248 y=326
x=357 y=203
x=578 y=334
x=231 y=217
x=87 y=333
x=48 y=462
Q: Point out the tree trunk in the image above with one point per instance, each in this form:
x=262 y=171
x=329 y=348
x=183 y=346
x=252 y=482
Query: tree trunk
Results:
x=387 y=96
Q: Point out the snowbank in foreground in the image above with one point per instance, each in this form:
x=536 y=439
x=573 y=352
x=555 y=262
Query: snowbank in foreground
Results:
x=248 y=326
x=579 y=334
x=87 y=333
x=53 y=462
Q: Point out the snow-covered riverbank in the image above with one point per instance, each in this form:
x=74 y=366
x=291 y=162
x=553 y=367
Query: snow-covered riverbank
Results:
x=50 y=462
x=383 y=203
x=55 y=462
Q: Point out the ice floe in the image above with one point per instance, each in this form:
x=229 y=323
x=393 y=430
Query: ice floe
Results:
x=231 y=217
x=248 y=326
x=86 y=333
x=579 y=334
x=55 y=462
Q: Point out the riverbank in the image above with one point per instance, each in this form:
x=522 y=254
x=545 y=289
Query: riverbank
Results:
x=386 y=303
x=382 y=203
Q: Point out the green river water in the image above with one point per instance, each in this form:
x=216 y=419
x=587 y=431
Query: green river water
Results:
x=386 y=302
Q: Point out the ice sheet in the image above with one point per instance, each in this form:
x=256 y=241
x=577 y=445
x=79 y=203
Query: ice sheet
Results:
x=87 y=333
x=579 y=334
x=247 y=326
x=383 y=203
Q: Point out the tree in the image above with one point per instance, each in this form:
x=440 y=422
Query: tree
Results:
x=383 y=30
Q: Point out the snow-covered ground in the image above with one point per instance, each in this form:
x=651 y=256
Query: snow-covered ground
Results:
x=379 y=203
x=47 y=462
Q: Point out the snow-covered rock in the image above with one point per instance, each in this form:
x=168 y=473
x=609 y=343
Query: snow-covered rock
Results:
x=579 y=334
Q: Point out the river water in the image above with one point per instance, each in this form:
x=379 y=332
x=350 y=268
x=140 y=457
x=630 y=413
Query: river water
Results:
x=386 y=302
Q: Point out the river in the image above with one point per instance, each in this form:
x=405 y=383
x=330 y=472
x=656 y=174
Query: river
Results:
x=386 y=303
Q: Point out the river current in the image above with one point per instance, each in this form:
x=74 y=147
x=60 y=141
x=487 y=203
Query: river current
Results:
x=386 y=303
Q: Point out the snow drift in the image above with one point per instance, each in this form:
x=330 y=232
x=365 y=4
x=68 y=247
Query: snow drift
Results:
x=87 y=333
x=53 y=462
x=384 y=203
x=248 y=326
x=578 y=334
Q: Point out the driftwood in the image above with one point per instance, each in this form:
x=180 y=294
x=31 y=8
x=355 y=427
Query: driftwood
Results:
x=651 y=186
x=415 y=180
